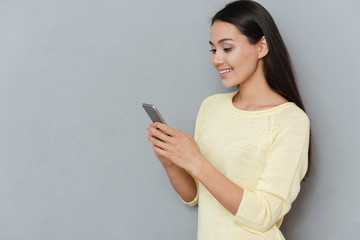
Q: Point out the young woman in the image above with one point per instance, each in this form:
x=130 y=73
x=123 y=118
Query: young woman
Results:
x=250 y=150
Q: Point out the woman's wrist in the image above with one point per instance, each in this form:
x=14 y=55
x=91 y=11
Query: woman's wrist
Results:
x=168 y=165
x=198 y=165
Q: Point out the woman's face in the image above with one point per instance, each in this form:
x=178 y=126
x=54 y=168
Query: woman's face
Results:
x=232 y=55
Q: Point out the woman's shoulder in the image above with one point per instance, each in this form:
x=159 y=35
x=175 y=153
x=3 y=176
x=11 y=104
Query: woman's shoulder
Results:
x=213 y=104
x=292 y=116
x=216 y=99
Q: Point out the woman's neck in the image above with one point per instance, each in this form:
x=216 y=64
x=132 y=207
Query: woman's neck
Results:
x=256 y=94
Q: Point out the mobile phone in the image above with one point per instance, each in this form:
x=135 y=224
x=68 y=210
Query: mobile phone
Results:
x=153 y=113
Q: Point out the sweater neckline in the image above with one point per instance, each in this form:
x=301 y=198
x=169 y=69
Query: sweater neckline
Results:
x=250 y=112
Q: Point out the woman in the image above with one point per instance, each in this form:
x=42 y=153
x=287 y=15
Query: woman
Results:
x=250 y=149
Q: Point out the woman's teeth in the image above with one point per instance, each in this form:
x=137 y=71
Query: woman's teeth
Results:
x=225 y=71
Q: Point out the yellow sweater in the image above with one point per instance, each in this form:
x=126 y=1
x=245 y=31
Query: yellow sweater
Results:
x=265 y=152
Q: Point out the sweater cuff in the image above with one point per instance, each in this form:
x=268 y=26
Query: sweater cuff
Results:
x=247 y=206
x=259 y=210
x=192 y=203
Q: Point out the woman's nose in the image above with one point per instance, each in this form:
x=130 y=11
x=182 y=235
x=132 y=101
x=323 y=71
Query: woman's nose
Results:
x=218 y=59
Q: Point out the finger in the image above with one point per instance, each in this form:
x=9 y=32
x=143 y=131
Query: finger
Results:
x=158 y=134
x=165 y=128
x=154 y=126
x=158 y=151
x=156 y=142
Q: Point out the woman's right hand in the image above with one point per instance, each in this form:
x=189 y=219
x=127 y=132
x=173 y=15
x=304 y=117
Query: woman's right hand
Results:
x=164 y=161
x=183 y=183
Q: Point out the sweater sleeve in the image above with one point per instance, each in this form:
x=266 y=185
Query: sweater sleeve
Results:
x=279 y=183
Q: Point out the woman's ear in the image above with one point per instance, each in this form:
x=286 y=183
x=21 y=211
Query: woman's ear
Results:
x=263 y=47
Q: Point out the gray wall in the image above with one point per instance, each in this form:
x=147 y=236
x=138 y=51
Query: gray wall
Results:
x=74 y=159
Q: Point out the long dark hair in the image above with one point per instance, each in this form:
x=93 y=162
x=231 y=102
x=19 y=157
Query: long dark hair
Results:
x=255 y=22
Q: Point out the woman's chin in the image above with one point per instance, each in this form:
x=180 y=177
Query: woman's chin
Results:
x=227 y=84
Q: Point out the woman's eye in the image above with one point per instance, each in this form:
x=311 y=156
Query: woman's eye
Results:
x=227 y=49
x=212 y=50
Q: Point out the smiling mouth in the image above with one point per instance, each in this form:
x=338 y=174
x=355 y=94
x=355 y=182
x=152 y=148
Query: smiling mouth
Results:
x=225 y=71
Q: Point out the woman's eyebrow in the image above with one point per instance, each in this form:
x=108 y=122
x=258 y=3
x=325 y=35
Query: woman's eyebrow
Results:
x=222 y=40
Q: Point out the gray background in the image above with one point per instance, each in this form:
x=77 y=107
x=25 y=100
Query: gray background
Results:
x=74 y=159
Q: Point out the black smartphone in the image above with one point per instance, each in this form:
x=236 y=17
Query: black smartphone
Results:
x=153 y=113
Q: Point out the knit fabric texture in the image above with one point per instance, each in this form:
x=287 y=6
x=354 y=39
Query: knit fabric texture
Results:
x=264 y=152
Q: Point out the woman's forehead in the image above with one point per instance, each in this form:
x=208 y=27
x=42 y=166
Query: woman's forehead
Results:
x=223 y=30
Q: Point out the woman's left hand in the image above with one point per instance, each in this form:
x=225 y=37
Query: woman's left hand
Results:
x=177 y=146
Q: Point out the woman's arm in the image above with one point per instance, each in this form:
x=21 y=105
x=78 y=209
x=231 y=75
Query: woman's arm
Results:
x=181 y=149
x=183 y=183
x=226 y=192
